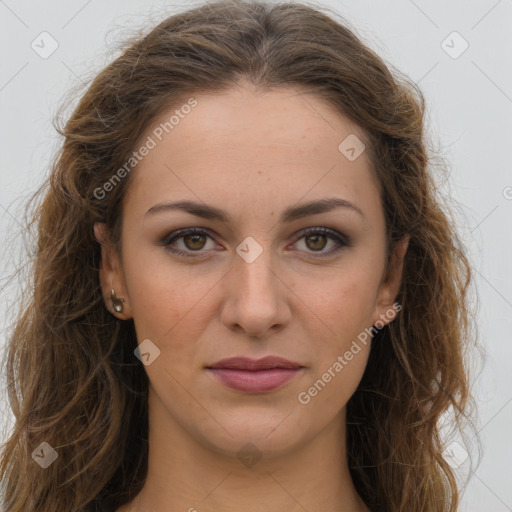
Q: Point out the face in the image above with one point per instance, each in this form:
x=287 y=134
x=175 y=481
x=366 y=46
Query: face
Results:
x=261 y=275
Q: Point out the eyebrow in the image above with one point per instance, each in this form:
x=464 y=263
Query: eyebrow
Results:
x=290 y=214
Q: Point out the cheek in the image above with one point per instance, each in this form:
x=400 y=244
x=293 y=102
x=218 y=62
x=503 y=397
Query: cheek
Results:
x=346 y=307
x=166 y=300
x=343 y=306
x=332 y=387
x=344 y=300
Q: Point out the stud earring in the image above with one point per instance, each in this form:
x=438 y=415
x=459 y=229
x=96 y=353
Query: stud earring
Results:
x=117 y=303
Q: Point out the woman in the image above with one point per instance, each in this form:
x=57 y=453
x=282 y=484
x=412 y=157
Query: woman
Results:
x=247 y=294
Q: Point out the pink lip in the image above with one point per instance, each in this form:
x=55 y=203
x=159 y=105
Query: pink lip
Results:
x=256 y=376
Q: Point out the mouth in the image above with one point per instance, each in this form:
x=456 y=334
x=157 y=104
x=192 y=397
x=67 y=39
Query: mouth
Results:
x=255 y=376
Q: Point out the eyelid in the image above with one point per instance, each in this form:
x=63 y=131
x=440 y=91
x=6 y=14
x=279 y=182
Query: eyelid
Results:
x=340 y=239
x=324 y=230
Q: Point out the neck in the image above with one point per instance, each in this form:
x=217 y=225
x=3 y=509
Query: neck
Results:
x=185 y=474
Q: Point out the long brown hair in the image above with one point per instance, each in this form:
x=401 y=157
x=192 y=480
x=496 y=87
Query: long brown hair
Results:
x=73 y=380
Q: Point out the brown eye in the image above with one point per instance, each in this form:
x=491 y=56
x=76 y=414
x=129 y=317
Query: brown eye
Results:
x=317 y=239
x=191 y=240
x=318 y=242
x=194 y=242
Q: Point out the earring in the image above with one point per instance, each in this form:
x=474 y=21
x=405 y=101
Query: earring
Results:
x=117 y=303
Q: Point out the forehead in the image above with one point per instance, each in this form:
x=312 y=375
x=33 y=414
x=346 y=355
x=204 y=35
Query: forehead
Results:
x=288 y=117
x=282 y=144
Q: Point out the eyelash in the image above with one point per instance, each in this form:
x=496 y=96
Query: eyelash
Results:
x=341 y=240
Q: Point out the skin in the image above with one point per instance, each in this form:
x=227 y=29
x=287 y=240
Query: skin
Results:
x=253 y=155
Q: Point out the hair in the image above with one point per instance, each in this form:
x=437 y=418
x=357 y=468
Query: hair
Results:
x=72 y=378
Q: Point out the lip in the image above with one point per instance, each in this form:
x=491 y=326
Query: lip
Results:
x=246 y=363
x=255 y=375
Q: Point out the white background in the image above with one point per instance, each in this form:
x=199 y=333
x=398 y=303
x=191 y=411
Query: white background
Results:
x=470 y=120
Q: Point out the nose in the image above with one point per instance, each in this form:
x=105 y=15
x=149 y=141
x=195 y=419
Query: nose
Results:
x=256 y=296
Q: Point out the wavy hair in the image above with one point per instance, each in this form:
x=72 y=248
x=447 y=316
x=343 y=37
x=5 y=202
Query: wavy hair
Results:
x=72 y=378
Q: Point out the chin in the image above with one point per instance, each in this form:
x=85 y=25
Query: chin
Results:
x=257 y=434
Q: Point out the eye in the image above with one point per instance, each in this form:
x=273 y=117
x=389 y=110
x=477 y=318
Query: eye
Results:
x=317 y=239
x=193 y=240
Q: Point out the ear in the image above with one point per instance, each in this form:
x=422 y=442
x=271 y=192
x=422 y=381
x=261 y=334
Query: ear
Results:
x=385 y=312
x=111 y=275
